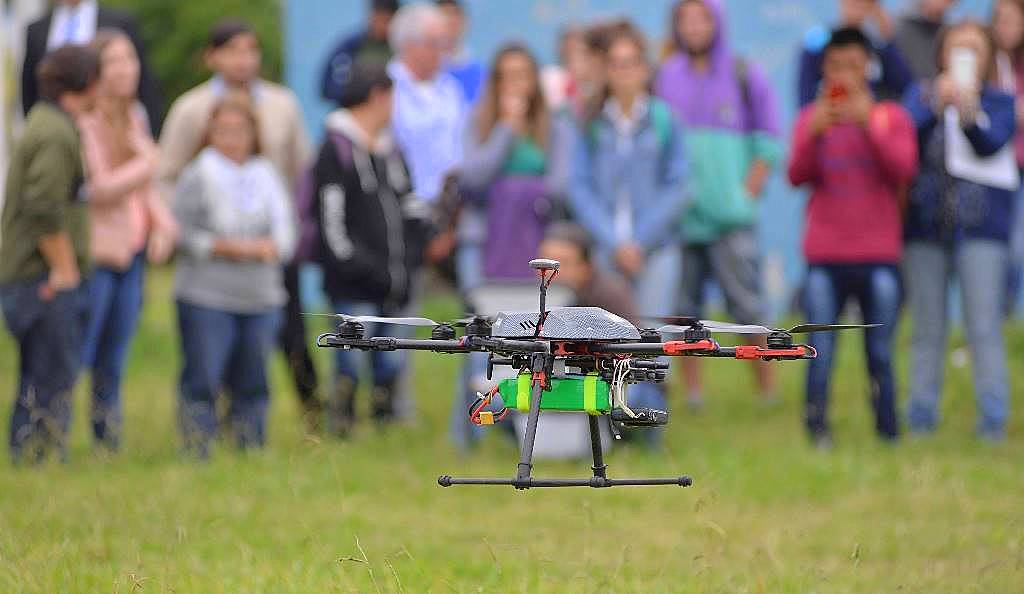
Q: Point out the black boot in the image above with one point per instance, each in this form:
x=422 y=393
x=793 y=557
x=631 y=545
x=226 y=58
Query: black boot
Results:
x=312 y=411
x=382 y=403
x=341 y=408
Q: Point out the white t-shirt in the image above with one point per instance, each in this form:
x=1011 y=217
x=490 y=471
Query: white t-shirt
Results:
x=73 y=24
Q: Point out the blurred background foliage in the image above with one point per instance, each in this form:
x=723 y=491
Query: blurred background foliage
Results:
x=175 y=33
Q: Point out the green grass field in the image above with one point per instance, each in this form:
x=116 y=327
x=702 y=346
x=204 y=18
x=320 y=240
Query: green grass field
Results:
x=766 y=513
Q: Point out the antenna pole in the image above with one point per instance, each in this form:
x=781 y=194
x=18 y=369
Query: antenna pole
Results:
x=542 y=267
x=543 y=292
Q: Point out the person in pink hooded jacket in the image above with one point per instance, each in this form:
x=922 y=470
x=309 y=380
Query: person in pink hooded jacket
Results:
x=129 y=221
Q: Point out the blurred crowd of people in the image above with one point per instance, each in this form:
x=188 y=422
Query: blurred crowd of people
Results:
x=638 y=167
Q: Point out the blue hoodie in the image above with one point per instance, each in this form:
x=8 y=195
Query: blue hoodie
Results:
x=647 y=170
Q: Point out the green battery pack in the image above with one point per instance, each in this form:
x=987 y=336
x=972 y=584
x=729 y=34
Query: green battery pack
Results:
x=589 y=394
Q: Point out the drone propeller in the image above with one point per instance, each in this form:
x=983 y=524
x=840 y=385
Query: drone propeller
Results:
x=687 y=321
x=471 y=318
x=417 y=322
x=811 y=328
x=757 y=330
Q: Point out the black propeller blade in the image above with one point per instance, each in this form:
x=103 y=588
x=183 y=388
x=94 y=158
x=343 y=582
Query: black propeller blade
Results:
x=411 y=321
x=757 y=330
x=472 y=318
x=810 y=328
x=717 y=327
x=687 y=321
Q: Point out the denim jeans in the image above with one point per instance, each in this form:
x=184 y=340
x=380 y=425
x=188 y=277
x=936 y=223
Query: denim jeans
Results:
x=876 y=288
x=49 y=337
x=221 y=349
x=979 y=266
x=294 y=343
x=115 y=300
x=1015 y=281
x=656 y=293
x=469 y=266
x=733 y=261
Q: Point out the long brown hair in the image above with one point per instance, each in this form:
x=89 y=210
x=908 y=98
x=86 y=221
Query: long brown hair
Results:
x=988 y=69
x=119 y=120
x=238 y=102
x=602 y=44
x=537 y=116
x=1017 y=54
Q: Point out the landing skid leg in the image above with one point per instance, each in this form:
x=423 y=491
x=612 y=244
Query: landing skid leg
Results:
x=600 y=468
x=595 y=482
x=598 y=481
x=525 y=468
x=524 y=471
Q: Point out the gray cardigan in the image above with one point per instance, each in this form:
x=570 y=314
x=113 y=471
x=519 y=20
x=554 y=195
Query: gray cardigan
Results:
x=485 y=159
x=216 y=198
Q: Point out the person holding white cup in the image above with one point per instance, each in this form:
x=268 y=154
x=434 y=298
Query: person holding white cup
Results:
x=958 y=225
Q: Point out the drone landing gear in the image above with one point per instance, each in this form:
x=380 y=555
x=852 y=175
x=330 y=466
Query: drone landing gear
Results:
x=598 y=481
x=524 y=478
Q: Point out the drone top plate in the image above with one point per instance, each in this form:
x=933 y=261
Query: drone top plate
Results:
x=566 y=323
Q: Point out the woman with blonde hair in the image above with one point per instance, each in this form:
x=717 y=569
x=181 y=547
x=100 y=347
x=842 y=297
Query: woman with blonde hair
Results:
x=130 y=223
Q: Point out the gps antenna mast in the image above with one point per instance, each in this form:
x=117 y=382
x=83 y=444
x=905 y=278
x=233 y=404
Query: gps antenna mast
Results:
x=543 y=266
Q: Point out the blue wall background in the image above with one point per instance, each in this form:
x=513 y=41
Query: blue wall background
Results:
x=767 y=31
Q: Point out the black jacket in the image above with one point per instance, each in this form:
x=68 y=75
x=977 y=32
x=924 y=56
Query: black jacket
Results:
x=338 y=68
x=35 y=48
x=372 y=228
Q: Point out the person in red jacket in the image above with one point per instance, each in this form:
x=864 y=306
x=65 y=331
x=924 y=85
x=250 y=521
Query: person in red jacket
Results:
x=857 y=156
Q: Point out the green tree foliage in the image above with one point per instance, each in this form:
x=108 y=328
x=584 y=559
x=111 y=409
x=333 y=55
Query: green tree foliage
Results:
x=175 y=33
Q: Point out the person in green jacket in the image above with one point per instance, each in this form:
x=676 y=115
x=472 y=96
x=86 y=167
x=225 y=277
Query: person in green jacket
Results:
x=44 y=253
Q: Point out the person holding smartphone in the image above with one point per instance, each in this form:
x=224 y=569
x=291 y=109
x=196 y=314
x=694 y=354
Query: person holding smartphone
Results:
x=237 y=226
x=958 y=226
x=856 y=155
x=888 y=74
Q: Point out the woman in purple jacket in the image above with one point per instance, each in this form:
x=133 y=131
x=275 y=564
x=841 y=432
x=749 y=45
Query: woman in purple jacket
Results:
x=513 y=180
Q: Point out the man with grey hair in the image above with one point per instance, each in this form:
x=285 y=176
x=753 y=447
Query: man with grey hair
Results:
x=917 y=34
x=430 y=109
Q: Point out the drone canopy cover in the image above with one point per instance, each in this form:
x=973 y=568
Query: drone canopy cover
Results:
x=566 y=323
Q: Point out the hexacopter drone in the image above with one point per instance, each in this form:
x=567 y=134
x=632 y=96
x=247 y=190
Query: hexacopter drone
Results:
x=572 y=359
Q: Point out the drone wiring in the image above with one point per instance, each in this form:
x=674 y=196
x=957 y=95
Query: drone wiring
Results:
x=622 y=370
x=479 y=416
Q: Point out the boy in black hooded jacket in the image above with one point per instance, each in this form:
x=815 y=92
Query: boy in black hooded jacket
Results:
x=371 y=230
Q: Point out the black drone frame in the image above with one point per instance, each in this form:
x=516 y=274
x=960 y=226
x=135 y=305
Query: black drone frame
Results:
x=538 y=356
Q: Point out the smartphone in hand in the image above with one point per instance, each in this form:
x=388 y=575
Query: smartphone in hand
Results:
x=963 y=67
x=837 y=92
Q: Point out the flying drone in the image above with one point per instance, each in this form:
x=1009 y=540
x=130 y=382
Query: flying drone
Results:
x=572 y=359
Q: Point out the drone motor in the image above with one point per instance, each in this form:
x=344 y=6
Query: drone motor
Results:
x=442 y=332
x=351 y=330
